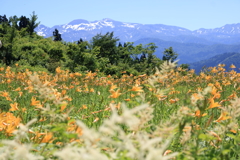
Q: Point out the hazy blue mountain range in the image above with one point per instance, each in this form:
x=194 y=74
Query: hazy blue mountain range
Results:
x=190 y=52
x=130 y=32
x=225 y=58
x=192 y=46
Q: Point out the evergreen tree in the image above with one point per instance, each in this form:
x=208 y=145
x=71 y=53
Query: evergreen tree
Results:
x=14 y=21
x=120 y=44
x=125 y=44
x=4 y=23
x=3 y=19
x=56 y=35
x=80 y=41
x=169 y=54
x=32 y=25
x=23 y=22
x=108 y=47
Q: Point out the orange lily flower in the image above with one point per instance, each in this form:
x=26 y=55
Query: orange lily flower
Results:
x=48 y=138
x=198 y=114
x=173 y=100
x=223 y=117
x=136 y=88
x=36 y=103
x=213 y=104
x=58 y=70
x=115 y=94
x=18 y=89
x=91 y=90
x=215 y=93
x=113 y=87
x=14 y=107
x=232 y=66
x=4 y=94
x=8 y=122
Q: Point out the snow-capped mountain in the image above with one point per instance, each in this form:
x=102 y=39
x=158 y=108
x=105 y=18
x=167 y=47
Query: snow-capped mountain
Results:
x=130 y=32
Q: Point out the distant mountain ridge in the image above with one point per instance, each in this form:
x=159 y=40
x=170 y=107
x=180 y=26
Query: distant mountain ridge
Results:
x=192 y=46
x=190 y=52
x=130 y=32
x=225 y=58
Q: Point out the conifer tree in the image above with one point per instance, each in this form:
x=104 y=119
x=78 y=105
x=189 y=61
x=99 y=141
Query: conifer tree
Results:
x=119 y=44
x=108 y=47
x=169 y=54
x=14 y=21
x=56 y=35
x=3 y=19
x=33 y=24
x=80 y=41
x=23 y=22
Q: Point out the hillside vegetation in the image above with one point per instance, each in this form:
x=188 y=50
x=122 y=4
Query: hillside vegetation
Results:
x=22 y=46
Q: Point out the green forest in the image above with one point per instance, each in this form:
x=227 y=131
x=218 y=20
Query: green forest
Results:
x=104 y=53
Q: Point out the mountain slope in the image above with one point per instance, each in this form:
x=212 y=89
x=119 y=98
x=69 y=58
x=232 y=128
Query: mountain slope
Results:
x=192 y=46
x=190 y=52
x=225 y=58
x=130 y=32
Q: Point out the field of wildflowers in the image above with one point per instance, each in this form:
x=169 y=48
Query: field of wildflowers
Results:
x=173 y=114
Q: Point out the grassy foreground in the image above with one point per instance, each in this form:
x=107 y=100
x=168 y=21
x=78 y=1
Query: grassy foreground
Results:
x=173 y=114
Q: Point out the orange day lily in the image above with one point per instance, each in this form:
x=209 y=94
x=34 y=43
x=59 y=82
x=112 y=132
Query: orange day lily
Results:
x=115 y=94
x=215 y=93
x=48 y=138
x=136 y=88
x=18 y=89
x=173 y=100
x=213 y=104
x=223 y=117
x=36 y=103
x=4 y=94
x=199 y=114
x=8 y=122
x=113 y=87
x=232 y=66
x=14 y=107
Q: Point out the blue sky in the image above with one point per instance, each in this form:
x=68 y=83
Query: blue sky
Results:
x=190 y=14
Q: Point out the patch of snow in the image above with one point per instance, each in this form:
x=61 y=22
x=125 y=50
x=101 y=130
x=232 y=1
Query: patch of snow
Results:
x=129 y=25
x=199 y=31
x=109 y=24
x=41 y=33
x=158 y=31
x=85 y=26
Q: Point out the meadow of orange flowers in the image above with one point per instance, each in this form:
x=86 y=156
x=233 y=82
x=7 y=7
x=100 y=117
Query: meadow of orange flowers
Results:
x=197 y=114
